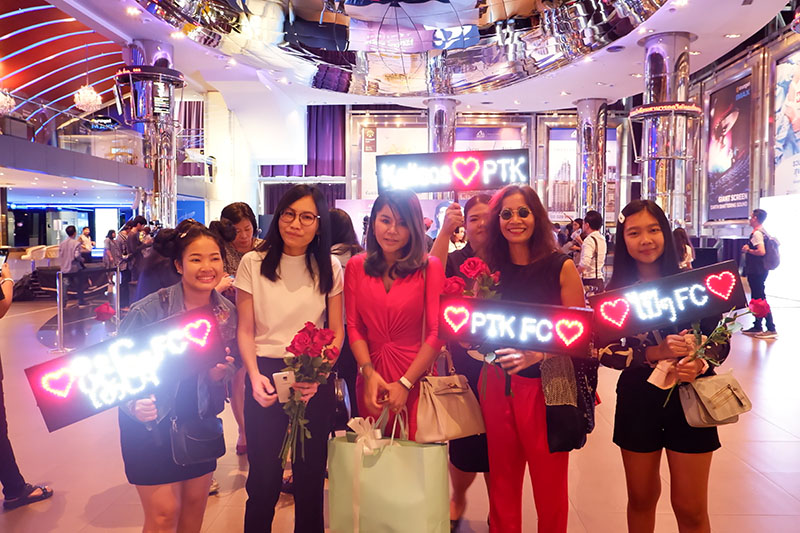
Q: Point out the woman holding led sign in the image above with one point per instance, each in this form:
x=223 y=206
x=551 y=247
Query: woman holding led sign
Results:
x=174 y=497
x=643 y=425
x=290 y=279
x=388 y=291
x=521 y=245
x=470 y=454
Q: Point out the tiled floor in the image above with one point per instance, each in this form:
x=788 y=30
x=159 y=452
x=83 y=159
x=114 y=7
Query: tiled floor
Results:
x=755 y=477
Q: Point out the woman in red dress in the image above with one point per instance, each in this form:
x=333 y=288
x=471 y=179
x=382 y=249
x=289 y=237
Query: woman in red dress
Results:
x=386 y=291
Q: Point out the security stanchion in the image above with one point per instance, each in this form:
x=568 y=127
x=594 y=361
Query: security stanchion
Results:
x=61 y=298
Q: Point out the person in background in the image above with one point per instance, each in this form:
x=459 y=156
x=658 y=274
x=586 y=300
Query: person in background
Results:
x=124 y=268
x=593 y=253
x=87 y=244
x=755 y=251
x=70 y=259
x=648 y=419
x=16 y=492
x=428 y=222
x=522 y=248
x=345 y=246
x=388 y=291
x=241 y=217
x=155 y=273
x=135 y=245
x=289 y=280
x=684 y=248
x=173 y=496
x=111 y=255
x=469 y=455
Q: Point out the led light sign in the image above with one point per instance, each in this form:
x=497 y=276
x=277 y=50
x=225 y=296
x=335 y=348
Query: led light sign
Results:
x=674 y=300
x=453 y=171
x=547 y=328
x=86 y=382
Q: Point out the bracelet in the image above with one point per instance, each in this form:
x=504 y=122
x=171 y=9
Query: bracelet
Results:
x=362 y=367
x=405 y=382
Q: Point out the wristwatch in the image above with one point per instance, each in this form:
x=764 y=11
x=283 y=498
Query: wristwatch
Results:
x=362 y=367
x=404 y=381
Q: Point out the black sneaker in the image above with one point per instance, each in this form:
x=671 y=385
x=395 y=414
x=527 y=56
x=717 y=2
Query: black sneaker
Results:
x=770 y=334
x=753 y=331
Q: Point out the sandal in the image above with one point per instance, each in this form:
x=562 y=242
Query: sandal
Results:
x=27 y=496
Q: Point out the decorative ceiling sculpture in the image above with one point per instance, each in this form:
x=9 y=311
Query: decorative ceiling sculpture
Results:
x=407 y=47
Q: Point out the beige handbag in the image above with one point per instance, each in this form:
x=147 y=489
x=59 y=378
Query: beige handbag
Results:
x=713 y=401
x=447 y=409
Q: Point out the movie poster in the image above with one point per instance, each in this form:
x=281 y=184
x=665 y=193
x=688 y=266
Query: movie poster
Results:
x=787 y=125
x=728 y=157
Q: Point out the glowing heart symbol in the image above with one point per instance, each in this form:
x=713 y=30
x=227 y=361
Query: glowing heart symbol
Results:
x=616 y=311
x=470 y=169
x=460 y=313
x=569 y=331
x=721 y=284
x=58 y=382
x=198 y=331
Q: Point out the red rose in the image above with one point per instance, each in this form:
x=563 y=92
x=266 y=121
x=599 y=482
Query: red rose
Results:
x=759 y=307
x=324 y=336
x=315 y=348
x=474 y=267
x=496 y=277
x=300 y=343
x=331 y=353
x=454 y=285
x=309 y=328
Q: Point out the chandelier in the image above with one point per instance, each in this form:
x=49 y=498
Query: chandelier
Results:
x=6 y=103
x=87 y=99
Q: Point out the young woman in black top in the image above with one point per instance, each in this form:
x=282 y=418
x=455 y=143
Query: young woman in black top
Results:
x=521 y=245
x=643 y=426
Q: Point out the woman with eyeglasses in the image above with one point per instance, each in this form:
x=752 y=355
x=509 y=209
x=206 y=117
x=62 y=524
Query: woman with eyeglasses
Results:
x=522 y=247
x=388 y=292
x=290 y=279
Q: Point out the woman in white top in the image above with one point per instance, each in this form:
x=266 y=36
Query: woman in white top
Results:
x=684 y=247
x=290 y=279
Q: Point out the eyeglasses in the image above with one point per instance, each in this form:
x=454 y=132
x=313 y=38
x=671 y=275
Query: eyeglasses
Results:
x=522 y=212
x=306 y=218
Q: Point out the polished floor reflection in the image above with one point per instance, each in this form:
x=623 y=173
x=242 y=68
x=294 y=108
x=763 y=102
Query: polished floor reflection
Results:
x=755 y=477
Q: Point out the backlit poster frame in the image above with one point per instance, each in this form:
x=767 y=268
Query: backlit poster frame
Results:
x=785 y=133
x=728 y=150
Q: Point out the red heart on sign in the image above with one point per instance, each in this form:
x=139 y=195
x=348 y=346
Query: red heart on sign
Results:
x=456 y=317
x=569 y=330
x=615 y=311
x=465 y=169
x=721 y=284
x=58 y=382
x=198 y=331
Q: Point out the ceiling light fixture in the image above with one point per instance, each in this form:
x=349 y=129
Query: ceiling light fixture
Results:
x=132 y=11
x=636 y=75
x=86 y=98
x=694 y=53
x=177 y=35
x=6 y=103
x=680 y=3
x=732 y=35
x=516 y=102
x=564 y=93
x=232 y=62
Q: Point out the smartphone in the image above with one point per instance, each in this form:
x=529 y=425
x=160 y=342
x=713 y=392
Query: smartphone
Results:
x=283 y=385
x=3 y=257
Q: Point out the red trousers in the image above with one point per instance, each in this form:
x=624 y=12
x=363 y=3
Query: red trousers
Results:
x=516 y=430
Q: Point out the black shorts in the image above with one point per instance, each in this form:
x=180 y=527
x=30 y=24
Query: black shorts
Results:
x=643 y=424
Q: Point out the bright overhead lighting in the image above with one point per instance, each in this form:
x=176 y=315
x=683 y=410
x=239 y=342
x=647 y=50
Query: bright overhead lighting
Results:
x=177 y=35
x=587 y=59
x=132 y=11
x=284 y=81
x=516 y=102
x=636 y=75
x=469 y=106
x=680 y=3
x=564 y=93
x=232 y=62
x=642 y=30
x=694 y=53
x=732 y=35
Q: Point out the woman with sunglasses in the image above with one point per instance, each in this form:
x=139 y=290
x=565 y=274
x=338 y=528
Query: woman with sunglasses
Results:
x=290 y=279
x=643 y=424
x=469 y=455
x=388 y=291
x=522 y=247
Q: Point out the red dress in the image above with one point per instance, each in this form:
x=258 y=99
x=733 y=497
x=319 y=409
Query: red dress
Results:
x=391 y=323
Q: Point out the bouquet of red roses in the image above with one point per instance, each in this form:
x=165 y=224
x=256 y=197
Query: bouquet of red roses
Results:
x=483 y=280
x=311 y=361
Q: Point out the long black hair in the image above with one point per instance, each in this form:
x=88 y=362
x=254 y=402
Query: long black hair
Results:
x=541 y=243
x=625 y=270
x=405 y=206
x=172 y=243
x=342 y=231
x=319 y=249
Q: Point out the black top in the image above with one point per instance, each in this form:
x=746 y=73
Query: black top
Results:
x=454 y=261
x=754 y=264
x=536 y=283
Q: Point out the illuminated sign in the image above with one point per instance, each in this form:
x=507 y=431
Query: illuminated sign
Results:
x=83 y=383
x=547 y=328
x=453 y=171
x=665 y=108
x=674 y=300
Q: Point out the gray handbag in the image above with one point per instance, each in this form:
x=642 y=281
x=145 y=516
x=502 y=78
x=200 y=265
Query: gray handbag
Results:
x=713 y=401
